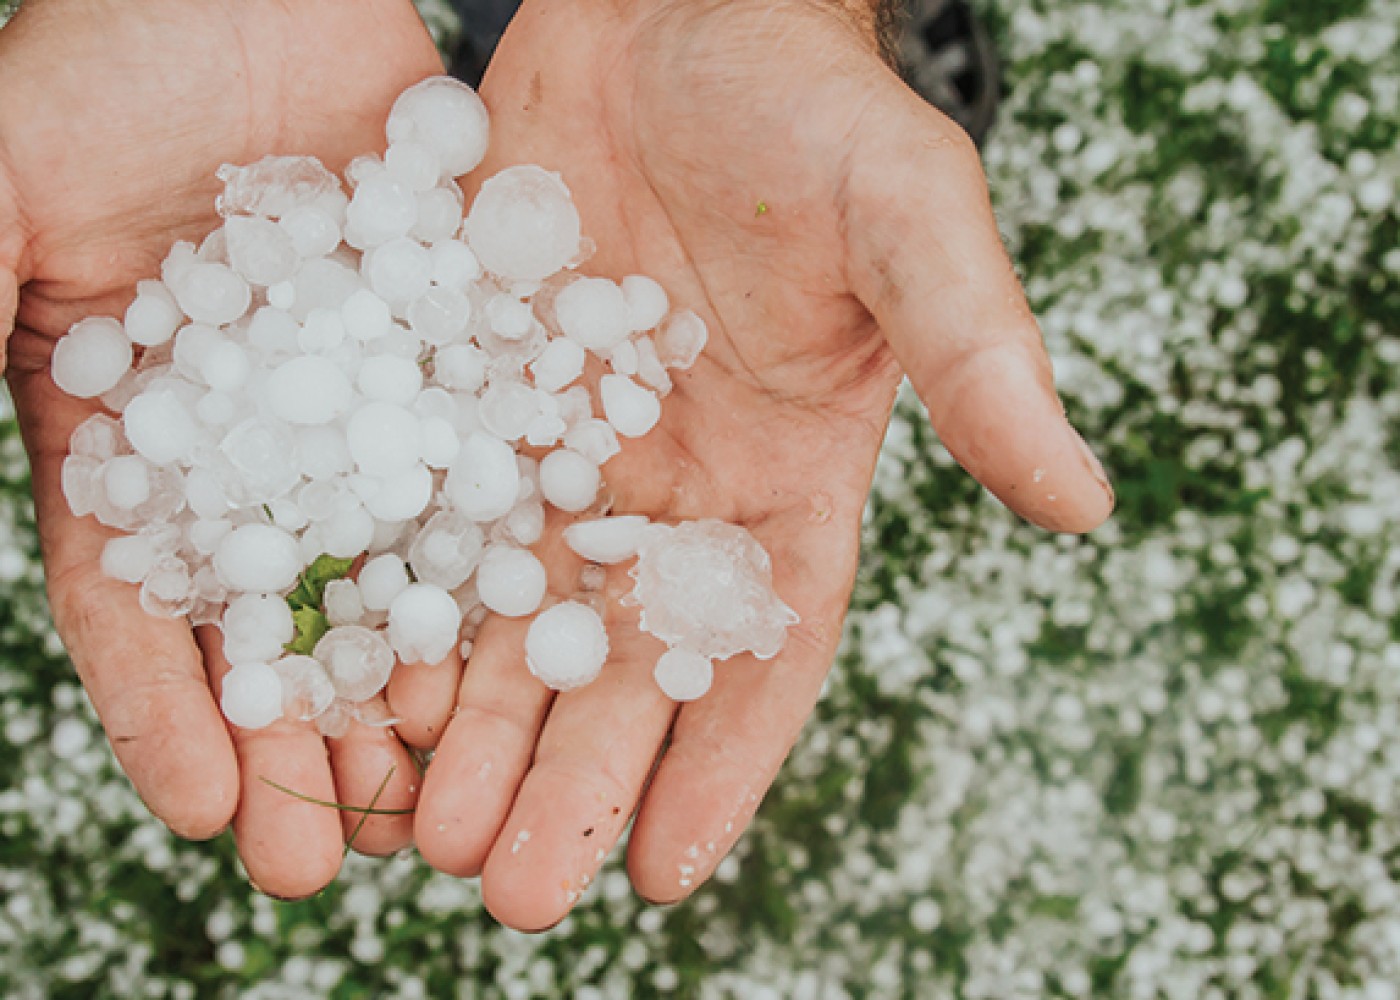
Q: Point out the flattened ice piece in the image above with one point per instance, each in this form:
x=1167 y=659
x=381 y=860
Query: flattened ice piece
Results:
x=357 y=659
x=274 y=185
x=708 y=586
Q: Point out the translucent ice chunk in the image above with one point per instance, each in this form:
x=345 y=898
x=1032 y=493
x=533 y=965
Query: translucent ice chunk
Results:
x=445 y=116
x=461 y=367
x=708 y=586
x=594 y=439
x=94 y=355
x=312 y=230
x=262 y=461
x=446 y=550
x=260 y=250
x=566 y=646
x=440 y=315
x=607 y=540
x=127 y=481
x=357 y=659
x=343 y=603
x=307 y=690
x=274 y=185
x=681 y=339
x=683 y=675
x=423 y=623
x=523 y=224
x=99 y=437
x=168 y=591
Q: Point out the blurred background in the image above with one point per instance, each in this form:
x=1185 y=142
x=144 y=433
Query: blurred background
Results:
x=1156 y=762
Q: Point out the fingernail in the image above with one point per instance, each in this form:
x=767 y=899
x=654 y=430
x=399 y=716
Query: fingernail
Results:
x=1095 y=466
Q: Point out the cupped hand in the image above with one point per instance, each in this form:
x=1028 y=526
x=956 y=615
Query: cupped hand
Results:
x=113 y=120
x=763 y=164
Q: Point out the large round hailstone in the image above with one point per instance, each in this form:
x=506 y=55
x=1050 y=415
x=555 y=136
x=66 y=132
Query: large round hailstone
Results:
x=252 y=696
x=92 y=358
x=308 y=390
x=256 y=627
x=446 y=117
x=423 y=623
x=523 y=224
x=568 y=480
x=593 y=313
x=510 y=581
x=357 y=659
x=483 y=482
x=566 y=646
x=607 y=540
x=257 y=558
x=683 y=675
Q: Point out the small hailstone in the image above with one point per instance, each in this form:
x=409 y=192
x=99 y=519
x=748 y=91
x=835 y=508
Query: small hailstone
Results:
x=322 y=283
x=256 y=627
x=560 y=363
x=381 y=210
x=92 y=358
x=454 y=265
x=623 y=358
x=127 y=481
x=389 y=379
x=252 y=696
x=343 y=603
x=631 y=409
x=708 y=586
x=225 y=366
x=167 y=591
x=646 y=302
x=446 y=117
x=440 y=315
x=153 y=317
x=423 y=623
x=593 y=313
x=508 y=408
x=321 y=332
x=205 y=494
x=308 y=390
x=307 y=690
x=440 y=442
x=258 y=558
x=650 y=371
x=400 y=270
x=358 y=660
x=568 y=480
x=402 y=496
x=525 y=522
x=607 y=540
x=413 y=163
x=260 y=250
x=312 y=230
x=366 y=316
x=523 y=224
x=99 y=437
x=384 y=439
x=439 y=214
x=212 y=293
x=510 y=581
x=594 y=439
x=273 y=332
x=508 y=316
x=262 y=453
x=335 y=721
x=683 y=675
x=160 y=427
x=566 y=646
x=346 y=533
x=215 y=409
x=381 y=580
x=128 y=558
x=207 y=533
x=446 y=550
x=681 y=339
x=282 y=295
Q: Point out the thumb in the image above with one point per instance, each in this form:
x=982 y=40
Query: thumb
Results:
x=925 y=258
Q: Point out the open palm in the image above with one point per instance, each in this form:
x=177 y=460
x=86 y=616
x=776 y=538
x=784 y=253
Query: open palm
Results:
x=760 y=161
x=113 y=120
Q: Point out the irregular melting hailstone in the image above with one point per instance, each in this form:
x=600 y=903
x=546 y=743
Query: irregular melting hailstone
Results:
x=523 y=224
x=566 y=646
x=307 y=691
x=607 y=540
x=707 y=586
x=92 y=358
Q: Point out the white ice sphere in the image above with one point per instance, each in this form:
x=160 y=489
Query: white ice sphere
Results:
x=92 y=358
x=510 y=580
x=440 y=315
x=128 y=558
x=258 y=558
x=446 y=550
x=389 y=379
x=568 y=480
x=153 y=317
x=322 y=283
x=403 y=495
x=260 y=250
x=483 y=481
x=262 y=455
x=607 y=540
x=212 y=293
x=508 y=408
x=681 y=339
x=225 y=366
x=206 y=534
x=594 y=439
x=631 y=409
x=357 y=659
x=566 y=646
x=160 y=427
x=312 y=230
x=192 y=343
x=439 y=213
x=252 y=696
x=400 y=270
x=308 y=390
x=273 y=332
x=412 y=163
x=256 y=627
x=346 y=533
x=423 y=623
x=454 y=265
x=344 y=605
x=99 y=437
x=366 y=316
x=461 y=367
x=708 y=586
x=646 y=302
x=523 y=224
x=445 y=116
x=560 y=363
x=127 y=481
x=381 y=210
x=508 y=316
x=81 y=484
x=216 y=409
x=307 y=690
x=593 y=312
x=384 y=439
x=380 y=581
x=274 y=186
x=440 y=442
x=322 y=332
x=684 y=675
x=282 y=295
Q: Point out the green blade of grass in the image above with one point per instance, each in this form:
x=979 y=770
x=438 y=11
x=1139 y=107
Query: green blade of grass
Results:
x=366 y=810
x=364 y=815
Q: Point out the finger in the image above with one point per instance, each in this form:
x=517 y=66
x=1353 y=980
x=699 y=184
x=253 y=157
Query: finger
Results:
x=421 y=696
x=144 y=674
x=925 y=258
x=727 y=747
x=595 y=753
x=373 y=770
x=485 y=750
x=291 y=847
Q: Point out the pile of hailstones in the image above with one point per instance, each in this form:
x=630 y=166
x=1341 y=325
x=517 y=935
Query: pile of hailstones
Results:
x=358 y=377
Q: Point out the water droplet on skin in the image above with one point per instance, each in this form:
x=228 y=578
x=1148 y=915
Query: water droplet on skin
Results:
x=1038 y=475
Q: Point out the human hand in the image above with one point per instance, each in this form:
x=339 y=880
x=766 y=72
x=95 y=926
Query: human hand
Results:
x=113 y=120
x=762 y=163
